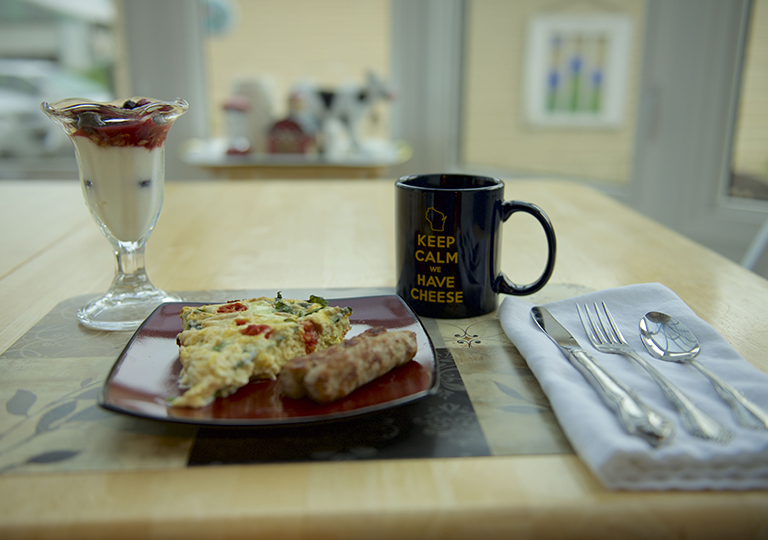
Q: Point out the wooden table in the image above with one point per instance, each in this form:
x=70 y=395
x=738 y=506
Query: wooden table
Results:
x=248 y=235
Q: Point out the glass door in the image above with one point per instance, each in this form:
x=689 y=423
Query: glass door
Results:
x=658 y=83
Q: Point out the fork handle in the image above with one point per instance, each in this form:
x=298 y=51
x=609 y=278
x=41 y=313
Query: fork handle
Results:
x=695 y=421
x=746 y=412
x=635 y=416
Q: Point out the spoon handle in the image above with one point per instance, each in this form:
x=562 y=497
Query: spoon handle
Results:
x=746 y=413
x=695 y=421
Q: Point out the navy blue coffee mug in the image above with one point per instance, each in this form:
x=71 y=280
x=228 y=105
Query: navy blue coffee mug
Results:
x=448 y=242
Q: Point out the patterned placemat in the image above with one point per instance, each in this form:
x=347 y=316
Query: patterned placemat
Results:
x=488 y=403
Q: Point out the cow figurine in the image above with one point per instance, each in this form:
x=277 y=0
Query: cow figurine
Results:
x=345 y=104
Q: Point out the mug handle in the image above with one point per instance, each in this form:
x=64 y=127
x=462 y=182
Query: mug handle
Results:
x=502 y=284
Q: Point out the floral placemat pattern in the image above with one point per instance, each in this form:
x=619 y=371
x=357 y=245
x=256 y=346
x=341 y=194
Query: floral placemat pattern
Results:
x=488 y=403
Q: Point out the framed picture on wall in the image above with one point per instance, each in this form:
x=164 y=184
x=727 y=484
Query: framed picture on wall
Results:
x=576 y=69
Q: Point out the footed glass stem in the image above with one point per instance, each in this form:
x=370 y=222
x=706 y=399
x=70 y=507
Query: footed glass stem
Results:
x=130 y=298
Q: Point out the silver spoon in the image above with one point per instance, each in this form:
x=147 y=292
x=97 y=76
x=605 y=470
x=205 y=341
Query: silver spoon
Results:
x=668 y=339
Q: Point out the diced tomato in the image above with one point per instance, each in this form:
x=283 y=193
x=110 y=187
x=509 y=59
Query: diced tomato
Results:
x=232 y=307
x=256 y=329
x=240 y=322
x=310 y=335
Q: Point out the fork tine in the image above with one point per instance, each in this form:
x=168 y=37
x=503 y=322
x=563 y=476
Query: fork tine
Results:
x=587 y=324
x=609 y=337
x=597 y=325
x=614 y=326
x=593 y=329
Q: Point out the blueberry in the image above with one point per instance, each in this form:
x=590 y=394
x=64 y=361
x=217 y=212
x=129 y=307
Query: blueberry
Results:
x=130 y=104
x=89 y=120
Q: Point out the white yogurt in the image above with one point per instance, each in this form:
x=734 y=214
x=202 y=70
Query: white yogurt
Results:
x=123 y=186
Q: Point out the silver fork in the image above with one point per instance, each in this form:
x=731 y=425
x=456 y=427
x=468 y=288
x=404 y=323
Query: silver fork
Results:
x=606 y=337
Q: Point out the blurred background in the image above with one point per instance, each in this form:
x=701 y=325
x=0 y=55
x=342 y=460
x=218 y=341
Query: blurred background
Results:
x=662 y=104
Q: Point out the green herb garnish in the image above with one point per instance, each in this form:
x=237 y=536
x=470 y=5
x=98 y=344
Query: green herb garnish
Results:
x=318 y=300
x=280 y=305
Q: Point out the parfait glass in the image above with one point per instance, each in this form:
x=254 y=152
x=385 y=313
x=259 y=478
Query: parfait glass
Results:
x=120 y=150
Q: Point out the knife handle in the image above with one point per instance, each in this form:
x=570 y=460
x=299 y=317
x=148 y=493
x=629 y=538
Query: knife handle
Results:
x=635 y=416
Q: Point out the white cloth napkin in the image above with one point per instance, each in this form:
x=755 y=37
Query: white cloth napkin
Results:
x=623 y=461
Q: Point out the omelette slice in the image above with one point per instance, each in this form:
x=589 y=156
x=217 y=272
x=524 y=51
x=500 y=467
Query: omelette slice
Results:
x=223 y=346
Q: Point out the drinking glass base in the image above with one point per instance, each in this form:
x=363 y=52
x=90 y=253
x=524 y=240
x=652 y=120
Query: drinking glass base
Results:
x=122 y=312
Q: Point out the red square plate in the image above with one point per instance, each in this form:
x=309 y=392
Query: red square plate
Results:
x=146 y=374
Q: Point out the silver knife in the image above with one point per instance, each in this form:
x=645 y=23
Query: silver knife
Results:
x=635 y=416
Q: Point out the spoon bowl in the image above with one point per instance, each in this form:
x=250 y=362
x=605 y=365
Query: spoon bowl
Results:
x=670 y=340
x=667 y=338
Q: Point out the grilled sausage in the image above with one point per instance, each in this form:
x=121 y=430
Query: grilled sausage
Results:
x=336 y=372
